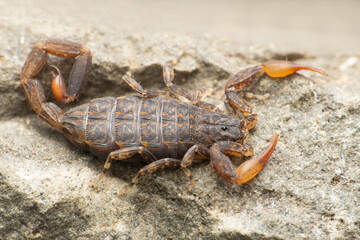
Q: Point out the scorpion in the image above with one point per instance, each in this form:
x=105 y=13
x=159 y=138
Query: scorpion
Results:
x=164 y=131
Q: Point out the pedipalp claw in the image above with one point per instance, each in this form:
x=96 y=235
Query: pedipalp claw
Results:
x=285 y=68
x=249 y=169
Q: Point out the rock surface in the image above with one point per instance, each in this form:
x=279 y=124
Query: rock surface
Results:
x=310 y=188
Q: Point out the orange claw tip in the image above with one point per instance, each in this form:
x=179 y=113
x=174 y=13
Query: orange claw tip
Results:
x=285 y=68
x=249 y=169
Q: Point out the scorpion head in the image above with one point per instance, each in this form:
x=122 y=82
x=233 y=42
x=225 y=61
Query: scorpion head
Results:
x=216 y=127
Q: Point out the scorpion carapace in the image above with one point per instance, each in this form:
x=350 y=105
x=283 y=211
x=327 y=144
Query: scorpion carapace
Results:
x=165 y=132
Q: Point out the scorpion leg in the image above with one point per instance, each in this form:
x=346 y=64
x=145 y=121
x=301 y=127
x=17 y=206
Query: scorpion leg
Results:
x=189 y=158
x=164 y=163
x=158 y=165
x=247 y=170
x=127 y=78
x=125 y=153
x=65 y=49
x=195 y=98
x=246 y=77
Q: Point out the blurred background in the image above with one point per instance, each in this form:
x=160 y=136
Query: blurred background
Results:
x=323 y=26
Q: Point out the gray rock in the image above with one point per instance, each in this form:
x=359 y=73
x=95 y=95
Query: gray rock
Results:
x=310 y=188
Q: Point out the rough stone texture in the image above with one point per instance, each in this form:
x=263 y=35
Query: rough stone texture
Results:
x=310 y=189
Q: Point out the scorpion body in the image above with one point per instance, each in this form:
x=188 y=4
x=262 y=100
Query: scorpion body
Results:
x=164 y=126
x=165 y=132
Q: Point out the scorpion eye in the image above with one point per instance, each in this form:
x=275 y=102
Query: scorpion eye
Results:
x=224 y=128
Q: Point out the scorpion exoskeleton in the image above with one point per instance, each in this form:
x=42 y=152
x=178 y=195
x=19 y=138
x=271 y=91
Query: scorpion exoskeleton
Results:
x=165 y=132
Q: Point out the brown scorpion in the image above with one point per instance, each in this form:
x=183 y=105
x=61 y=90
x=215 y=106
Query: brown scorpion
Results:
x=165 y=132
